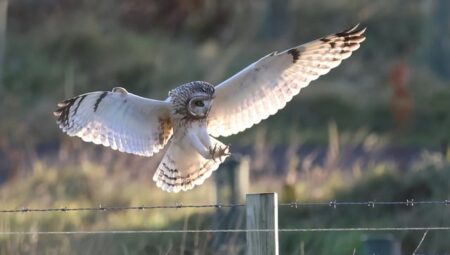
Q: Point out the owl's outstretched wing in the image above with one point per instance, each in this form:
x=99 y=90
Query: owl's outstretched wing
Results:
x=182 y=167
x=117 y=119
x=264 y=87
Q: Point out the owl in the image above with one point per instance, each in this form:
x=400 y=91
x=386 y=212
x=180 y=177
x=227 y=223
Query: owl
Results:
x=195 y=114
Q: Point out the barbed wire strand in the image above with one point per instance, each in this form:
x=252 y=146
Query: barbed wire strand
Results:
x=295 y=204
x=369 y=203
x=175 y=231
x=119 y=208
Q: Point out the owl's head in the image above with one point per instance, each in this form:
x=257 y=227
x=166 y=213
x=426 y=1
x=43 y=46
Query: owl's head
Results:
x=192 y=100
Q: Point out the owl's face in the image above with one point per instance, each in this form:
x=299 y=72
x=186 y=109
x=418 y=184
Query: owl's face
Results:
x=199 y=105
x=192 y=101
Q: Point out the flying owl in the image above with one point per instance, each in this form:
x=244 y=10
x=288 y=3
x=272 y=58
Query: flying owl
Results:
x=196 y=113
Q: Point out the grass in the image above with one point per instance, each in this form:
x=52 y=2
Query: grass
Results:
x=88 y=178
x=379 y=184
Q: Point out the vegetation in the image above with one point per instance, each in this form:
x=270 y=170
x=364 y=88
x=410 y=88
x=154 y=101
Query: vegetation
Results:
x=89 y=184
x=75 y=48
x=380 y=183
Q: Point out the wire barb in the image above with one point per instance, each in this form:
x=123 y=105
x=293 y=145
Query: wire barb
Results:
x=409 y=202
x=333 y=204
x=101 y=208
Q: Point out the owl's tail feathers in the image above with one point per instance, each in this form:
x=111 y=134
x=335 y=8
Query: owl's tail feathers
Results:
x=182 y=170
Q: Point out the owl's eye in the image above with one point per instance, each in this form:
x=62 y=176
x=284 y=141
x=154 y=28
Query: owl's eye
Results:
x=199 y=103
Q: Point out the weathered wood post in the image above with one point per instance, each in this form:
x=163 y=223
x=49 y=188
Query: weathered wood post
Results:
x=262 y=214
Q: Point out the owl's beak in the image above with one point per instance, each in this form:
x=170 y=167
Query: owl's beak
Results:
x=210 y=105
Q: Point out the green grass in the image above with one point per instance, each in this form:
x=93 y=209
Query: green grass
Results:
x=90 y=184
x=429 y=181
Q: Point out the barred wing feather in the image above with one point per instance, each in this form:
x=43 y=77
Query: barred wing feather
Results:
x=264 y=87
x=117 y=119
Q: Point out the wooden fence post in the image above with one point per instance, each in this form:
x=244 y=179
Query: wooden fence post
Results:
x=262 y=213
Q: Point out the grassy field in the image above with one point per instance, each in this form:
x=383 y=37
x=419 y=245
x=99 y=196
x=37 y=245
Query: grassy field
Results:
x=91 y=182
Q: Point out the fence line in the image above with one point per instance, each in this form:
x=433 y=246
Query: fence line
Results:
x=176 y=231
x=119 y=208
x=261 y=230
x=334 y=203
x=295 y=204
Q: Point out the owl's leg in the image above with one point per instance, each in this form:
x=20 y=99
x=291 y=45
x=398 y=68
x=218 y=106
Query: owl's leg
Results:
x=204 y=138
x=216 y=151
x=198 y=145
x=212 y=152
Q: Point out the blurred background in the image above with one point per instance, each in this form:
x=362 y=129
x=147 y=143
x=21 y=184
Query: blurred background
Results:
x=375 y=128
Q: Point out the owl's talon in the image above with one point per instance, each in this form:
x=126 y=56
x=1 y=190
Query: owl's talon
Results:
x=225 y=151
x=212 y=152
x=218 y=152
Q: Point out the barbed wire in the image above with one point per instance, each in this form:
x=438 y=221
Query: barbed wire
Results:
x=370 y=203
x=178 y=231
x=119 y=208
x=295 y=204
